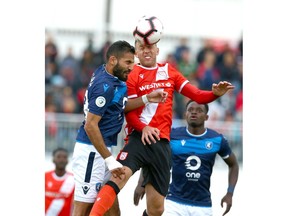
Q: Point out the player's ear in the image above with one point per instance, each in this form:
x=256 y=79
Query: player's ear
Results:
x=113 y=60
x=207 y=117
x=157 y=52
x=136 y=55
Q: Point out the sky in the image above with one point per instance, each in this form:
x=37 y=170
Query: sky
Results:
x=22 y=155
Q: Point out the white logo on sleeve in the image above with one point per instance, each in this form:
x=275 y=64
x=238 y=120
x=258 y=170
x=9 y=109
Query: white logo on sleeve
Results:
x=100 y=101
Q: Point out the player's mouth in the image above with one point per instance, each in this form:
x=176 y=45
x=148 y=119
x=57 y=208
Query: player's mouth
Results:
x=193 y=117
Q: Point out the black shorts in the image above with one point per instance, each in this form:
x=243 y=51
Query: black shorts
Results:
x=155 y=160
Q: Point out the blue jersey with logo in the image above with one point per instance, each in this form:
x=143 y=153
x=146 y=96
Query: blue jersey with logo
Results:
x=105 y=96
x=193 y=159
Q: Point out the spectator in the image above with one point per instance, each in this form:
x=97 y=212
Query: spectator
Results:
x=59 y=186
x=207 y=73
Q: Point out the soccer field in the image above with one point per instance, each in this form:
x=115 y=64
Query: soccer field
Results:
x=218 y=189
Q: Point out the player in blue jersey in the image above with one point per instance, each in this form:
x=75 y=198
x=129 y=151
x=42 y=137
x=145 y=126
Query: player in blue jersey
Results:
x=194 y=149
x=104 y=105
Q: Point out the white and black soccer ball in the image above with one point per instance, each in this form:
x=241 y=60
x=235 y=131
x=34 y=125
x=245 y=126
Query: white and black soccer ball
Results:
x=149 y=30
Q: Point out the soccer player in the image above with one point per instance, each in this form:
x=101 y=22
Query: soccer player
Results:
x=151 y=122
x=194 y=149
x=104 y=104
x=59 y=186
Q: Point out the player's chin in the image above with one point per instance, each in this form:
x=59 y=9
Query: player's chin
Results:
x=125 y=76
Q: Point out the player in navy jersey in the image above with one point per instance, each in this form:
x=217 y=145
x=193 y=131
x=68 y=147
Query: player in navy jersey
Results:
x=104 y=105
x=194 y=149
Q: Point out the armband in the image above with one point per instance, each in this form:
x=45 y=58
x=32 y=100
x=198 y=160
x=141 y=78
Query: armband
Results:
x=230 y=189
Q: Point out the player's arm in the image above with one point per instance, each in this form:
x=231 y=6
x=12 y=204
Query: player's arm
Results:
x=233 y=172
x=139 y=190
x=149 y=134
x=202 y=96
x=152 y=97
x=93 y=131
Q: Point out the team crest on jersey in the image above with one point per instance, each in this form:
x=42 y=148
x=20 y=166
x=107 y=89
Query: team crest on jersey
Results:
x=98 y=186
x=209 y=145
x=123 y=155
x=100 y=101
x=141 y=75
x=162 y=75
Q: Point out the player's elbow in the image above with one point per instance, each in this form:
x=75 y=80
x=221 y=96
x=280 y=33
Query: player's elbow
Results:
x=88 y=127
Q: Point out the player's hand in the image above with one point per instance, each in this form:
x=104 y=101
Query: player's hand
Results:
x=138 y=194
x=228 y=200
x=221 y=88
x=149 y=135
x=157 y=96
x=118 y=173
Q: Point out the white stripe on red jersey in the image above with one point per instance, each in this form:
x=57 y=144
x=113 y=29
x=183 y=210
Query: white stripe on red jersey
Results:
x=142 y=80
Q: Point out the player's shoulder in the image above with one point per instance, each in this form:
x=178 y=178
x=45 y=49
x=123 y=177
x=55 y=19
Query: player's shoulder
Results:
x=49 y=173
x=69 y=173
x=177 y=132
x=213 y=133
x=168 y=65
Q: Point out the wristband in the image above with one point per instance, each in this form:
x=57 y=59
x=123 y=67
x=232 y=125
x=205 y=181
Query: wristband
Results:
x=112 y=163
x=145 y=99
x=230 y=189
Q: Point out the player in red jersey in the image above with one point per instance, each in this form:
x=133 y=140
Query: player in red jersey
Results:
x=59 y=186
x=151 y=122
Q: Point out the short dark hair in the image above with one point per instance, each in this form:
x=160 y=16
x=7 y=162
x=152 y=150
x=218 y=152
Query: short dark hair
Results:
x=59 y=149
x=118 y=48
x=206 y=105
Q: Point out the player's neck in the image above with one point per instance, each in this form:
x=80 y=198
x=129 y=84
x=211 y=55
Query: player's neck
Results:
x=60 y=173
x=196 y=130
x=109 y=69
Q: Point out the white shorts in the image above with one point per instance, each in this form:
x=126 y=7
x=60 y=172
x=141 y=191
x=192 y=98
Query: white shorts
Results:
x=178 y=209
x=90 y=172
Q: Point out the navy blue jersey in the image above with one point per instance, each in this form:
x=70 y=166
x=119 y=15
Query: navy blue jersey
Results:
x=105 y=96
x=193 y=157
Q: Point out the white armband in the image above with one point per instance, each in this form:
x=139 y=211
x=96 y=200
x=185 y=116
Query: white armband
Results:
x=112 y=163
x=145 y=99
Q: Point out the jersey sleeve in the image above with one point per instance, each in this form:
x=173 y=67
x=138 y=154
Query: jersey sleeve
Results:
x=134 y=121
x=184 y=87
x=195 y=94
x=225 y=149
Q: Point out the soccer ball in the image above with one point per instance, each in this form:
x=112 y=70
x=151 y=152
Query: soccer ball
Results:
x=148 y=30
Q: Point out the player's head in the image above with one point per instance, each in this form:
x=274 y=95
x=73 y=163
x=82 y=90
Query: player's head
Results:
x=120 y=59
x=196 y=114
x=147 y=54
x=60 y=158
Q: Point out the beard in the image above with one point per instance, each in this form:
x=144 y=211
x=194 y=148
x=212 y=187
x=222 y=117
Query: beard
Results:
x=118 y=71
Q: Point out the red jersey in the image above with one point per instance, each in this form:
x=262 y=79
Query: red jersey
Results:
x=59 y=193
x=144 y=80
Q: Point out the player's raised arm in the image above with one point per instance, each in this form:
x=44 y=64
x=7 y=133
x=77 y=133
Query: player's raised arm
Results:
x=157 y=96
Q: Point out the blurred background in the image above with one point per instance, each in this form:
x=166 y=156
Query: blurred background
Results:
x=202 y=38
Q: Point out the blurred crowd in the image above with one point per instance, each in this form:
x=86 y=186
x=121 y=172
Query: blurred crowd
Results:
x=67 y=77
